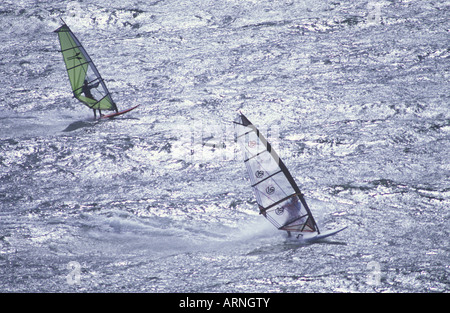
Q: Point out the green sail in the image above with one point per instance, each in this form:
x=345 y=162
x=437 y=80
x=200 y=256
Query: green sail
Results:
x=87 y=84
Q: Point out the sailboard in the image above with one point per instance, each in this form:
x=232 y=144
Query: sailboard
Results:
x=86 y=82
x=279 y=198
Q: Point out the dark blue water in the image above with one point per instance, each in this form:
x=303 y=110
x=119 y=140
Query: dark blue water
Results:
x=354 y=95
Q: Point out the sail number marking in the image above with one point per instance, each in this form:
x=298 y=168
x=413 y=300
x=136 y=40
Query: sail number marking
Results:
x=270 y=190
x=259 y=174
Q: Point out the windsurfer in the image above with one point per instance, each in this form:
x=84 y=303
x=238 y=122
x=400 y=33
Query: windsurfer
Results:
x=86 y=89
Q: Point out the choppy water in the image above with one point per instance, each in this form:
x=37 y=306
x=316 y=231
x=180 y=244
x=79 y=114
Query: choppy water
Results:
x=355 y=95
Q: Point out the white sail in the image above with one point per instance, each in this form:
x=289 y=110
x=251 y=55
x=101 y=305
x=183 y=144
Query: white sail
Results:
x=279 y=198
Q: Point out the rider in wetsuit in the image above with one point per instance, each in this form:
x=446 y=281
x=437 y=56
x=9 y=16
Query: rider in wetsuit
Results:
x=86 y=89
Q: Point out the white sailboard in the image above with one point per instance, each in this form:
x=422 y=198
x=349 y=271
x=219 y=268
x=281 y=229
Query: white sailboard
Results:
x=279 y=199
x=313 y=236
